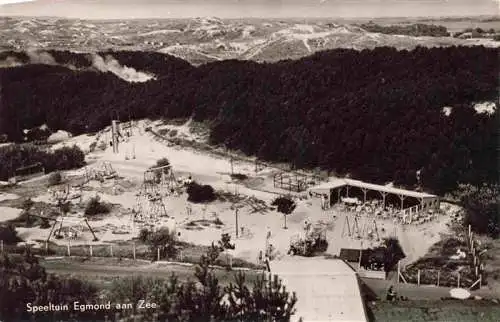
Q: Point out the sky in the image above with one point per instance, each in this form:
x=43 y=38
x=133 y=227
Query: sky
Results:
x=128 y=9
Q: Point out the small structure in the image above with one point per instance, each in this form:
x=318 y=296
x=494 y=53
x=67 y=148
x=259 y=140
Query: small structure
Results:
x=28 y=172
x=290 y=181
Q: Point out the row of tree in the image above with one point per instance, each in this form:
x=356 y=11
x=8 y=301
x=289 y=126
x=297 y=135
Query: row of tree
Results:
x=374 y=114
x=415 y=30
x=23 y=280
x=13 y=157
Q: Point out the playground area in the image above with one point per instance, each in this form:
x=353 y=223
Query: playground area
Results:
x=120 y=173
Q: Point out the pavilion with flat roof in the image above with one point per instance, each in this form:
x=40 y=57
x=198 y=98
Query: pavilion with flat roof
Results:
x=407 y=200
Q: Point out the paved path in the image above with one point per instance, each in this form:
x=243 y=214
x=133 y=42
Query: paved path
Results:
x=327 y=290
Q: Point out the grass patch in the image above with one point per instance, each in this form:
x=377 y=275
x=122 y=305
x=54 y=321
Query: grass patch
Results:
x=449 y=310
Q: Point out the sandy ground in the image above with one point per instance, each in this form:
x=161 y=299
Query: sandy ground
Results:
x=8 y=196
x=141 y=151
x=214 y=170
x=8 y=213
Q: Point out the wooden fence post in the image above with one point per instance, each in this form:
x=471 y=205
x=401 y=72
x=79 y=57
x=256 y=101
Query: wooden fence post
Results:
x=133 y=250
x=439 y=275
x=158 y=253
x=46 y=247
x=480 y=280
x=111 y=250
x=91 y=252
x=181 y=255
x=458 y=280
x=476 y=271
x=69 y=249
x=418 y=277
x=1 y=246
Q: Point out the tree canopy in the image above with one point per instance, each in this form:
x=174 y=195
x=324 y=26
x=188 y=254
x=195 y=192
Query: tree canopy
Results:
x=374 y=114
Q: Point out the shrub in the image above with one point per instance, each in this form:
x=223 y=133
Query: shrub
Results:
x=55 y=178
x=200 y=193
x=9 y=235
x=44 y=224
x=164 y=239
x=225 y=242
x=95 y=207
x=239 y=176
x=481 y=207
x=163 y=162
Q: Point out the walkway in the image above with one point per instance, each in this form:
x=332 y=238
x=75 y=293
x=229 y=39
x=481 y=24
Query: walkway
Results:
x=327 y=289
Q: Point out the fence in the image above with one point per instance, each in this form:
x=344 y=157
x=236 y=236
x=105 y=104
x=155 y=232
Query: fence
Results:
x=471 y=275
x=128 y=251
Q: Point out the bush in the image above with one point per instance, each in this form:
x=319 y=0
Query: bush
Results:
x=200 y=193
x=17 y=156
x=9 y=235
x=239 y=176
x=95 y=207
x=55 y=178
x=225 y=242
x=163 y=162
x=481 y=207
x=164 y=239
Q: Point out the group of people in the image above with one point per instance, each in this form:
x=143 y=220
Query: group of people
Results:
x=375 y=208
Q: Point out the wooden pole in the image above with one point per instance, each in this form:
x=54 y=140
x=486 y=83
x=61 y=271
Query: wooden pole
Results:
x=418 y=277
x=458 y=280
x=158 y=253
x=47 y=247
x=69 y=249
x=470 y=229
x=236 y=218
x=399 y=270
x=1 y=246
x=133 y=250
x=360 y=254
x=91 y=251
x=477 y=272
x=111 y=250
x=439 y=275
x=480 y=280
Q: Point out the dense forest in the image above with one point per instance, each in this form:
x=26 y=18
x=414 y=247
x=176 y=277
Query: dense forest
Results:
x=415 y=30
x=376 y=115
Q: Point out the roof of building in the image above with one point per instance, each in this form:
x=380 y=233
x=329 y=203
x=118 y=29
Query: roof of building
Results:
x=337 y=183
x=326 y=289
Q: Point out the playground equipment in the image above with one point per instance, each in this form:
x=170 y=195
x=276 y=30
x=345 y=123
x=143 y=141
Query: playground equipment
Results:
x=160 y=180
x=369 y=229
x=149 y=208
x=103 y=171
x=70 y=227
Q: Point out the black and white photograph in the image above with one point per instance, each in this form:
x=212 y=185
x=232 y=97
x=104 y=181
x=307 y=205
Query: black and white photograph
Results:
x=249 y=160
